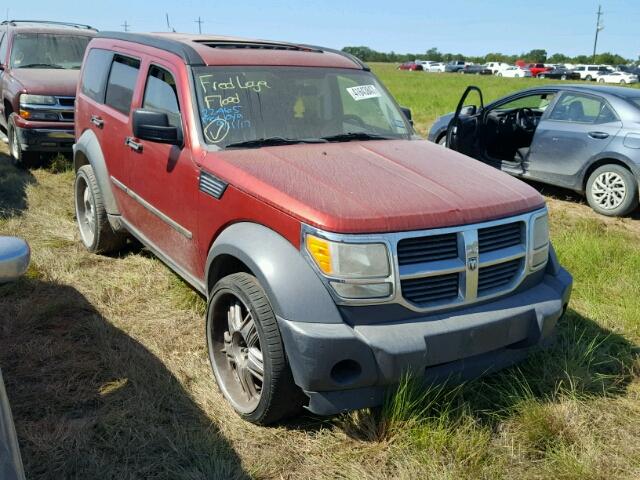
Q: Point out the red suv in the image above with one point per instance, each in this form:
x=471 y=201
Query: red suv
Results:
x=39 y=70
x=337 y=250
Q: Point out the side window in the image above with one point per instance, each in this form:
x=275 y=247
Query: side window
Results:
x=161 y=94
x=122 y=82
x=3 y=47
x=536 y=102
x=94 y=77
x=582 y=109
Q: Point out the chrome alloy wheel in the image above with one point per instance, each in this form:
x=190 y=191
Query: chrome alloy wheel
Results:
x=242 y=368
x=609 y=190
x=85 y=211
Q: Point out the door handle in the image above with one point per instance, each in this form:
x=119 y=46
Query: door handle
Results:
x=97 y=121
x=600 y=135
x=132 y=144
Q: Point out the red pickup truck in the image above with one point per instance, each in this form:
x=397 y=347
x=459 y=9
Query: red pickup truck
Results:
x=337 y=249
x=536 y=68
x=39 y=70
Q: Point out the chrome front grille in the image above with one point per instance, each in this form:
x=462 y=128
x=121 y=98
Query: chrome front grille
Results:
x=456 y=266
x=427 y=249
x=495 y=277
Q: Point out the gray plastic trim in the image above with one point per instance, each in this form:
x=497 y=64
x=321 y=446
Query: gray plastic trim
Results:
x=294 y=289
x=89 y=146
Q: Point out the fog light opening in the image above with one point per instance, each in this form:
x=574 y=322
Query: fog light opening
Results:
x=346 y=371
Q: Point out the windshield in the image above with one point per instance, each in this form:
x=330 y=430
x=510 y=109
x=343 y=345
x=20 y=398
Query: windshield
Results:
x=244 y=106
x=46 y=50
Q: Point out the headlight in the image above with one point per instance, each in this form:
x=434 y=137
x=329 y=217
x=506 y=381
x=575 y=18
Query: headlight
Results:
x=355 y=271
x=540 y=241
x=26 y=99
x=349 y=260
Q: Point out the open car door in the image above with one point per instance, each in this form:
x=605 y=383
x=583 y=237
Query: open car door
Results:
x=462 y=132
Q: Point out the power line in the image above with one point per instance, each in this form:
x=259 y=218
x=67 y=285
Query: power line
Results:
x=126 y=26
x=599 y=27
x=199 y=22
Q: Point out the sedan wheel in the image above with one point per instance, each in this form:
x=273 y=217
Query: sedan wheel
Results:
x=563 y=77
x=612 y=190
x=622 y=82
x=541 y=75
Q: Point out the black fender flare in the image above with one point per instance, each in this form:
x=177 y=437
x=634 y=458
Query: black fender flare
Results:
x=87 y=150
x=293 y=287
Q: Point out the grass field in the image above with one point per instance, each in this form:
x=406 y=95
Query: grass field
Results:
x=107 y=373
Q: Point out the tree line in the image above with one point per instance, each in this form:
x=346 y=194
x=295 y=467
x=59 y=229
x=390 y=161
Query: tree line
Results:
x=538 y=55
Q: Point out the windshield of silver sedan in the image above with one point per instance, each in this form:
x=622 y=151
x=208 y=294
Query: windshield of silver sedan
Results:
x=250 y=107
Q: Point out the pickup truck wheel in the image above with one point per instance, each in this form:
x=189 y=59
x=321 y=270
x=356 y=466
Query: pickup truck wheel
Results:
x=612 y=190
x=246 y=352
x=95 y=231
x=588 y=78
x=18 y=157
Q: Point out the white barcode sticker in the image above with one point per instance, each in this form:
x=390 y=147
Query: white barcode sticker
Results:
x=362 y=92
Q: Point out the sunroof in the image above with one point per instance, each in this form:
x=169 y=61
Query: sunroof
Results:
x=255 y=45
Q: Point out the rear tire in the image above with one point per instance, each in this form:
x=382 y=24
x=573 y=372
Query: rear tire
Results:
x=601 y=80
x=542 y=75
x=588 y=78
x=612 y=190
x=247 y=354
x=622 y=82
x=95 y=231
x=563 y=77
x=442 y=140
x=499 y=74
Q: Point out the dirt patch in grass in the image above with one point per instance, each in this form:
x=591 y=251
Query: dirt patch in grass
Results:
x=107 y=373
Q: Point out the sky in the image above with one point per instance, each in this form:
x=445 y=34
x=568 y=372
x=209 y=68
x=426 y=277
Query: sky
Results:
x=456 y=26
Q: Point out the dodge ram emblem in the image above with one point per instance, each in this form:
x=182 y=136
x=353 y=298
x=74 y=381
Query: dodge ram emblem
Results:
x=472 y=263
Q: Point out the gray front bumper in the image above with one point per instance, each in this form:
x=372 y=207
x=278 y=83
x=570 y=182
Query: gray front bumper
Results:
x=463 y=343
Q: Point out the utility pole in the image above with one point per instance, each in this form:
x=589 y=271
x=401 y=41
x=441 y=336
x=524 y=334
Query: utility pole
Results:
x=199 y=22
x=599 y=27
x=126 y=26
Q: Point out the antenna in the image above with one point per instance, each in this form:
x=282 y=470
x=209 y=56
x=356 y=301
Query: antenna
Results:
x=199 y=22
x=171 y=29
x=126 y=26
x=599 y=26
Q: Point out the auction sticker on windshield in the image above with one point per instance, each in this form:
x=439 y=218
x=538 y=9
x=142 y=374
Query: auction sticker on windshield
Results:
x=362 y=92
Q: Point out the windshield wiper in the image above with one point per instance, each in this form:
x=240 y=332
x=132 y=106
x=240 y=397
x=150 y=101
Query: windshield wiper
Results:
x=347 y=137
x=40 y=65
x=273 y=141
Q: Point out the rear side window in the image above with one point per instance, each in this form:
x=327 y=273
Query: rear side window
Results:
x=161 y=94
x=96 y=70
x=122 y=82
x=582 y=109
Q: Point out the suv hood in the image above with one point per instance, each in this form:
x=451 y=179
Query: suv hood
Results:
x=375 y=186
x=47 y=81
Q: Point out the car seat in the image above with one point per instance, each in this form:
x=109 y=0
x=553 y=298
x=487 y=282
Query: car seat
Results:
x=575 y=112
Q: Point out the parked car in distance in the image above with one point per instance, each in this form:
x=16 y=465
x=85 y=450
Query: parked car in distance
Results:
x=515 y=72
x=40 y=63
x=412 y=66
x=580 y=137
x=473 y=69
x=337 y=249
x=590 y=72
x=455 y=66
x=496 y=67
x=560 y=73
x=618 y=77
x=537 y=68
x=424 y=63
x=436 y=67
x=14 y=260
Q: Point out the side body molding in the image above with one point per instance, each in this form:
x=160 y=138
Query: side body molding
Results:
x=89 y=147
x=294 y=289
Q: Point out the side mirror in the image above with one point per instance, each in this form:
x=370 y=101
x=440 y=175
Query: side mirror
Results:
x=469 y=110
x=154 y=127
x=14 y=258
x=407 y=113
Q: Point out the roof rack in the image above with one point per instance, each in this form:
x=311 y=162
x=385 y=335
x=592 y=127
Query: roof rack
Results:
x=49 y=22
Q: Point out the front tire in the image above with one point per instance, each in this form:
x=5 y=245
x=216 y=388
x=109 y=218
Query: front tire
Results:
x=588 y=78
x=612 y=190
x=442 y=140
x=542 y=75
x=18 y=157
x=246 y=352
x=95 y=231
